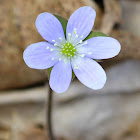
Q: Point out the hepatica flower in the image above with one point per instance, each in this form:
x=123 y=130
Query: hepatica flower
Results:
x=71 y=51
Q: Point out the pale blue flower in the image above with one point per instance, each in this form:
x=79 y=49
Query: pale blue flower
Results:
x=71 y=53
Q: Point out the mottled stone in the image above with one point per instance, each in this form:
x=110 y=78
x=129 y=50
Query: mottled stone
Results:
x=112 y=15
x=131 y=16
x=129 y=44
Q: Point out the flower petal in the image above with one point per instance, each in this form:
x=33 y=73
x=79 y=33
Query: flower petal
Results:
x=49 y=27
x=83 y=20
x=100 y=48
x=89 y=72
x=40 y=56
x=61 y=76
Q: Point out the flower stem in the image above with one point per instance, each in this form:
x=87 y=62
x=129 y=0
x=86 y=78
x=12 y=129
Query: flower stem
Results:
x=49 y=114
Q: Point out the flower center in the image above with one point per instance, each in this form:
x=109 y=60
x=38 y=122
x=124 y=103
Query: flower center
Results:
x=68 y=50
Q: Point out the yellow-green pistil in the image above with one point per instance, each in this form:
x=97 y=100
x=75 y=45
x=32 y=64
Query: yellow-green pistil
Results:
x=68 y=50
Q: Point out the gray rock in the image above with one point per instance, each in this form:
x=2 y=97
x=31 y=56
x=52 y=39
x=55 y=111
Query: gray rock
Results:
x=105 y=114
x=112 y=113
x=131 y=19
x=101 y=117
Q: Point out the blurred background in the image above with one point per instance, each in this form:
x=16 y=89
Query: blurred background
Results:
x=112 y=113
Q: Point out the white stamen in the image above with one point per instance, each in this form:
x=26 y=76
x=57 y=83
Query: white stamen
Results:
x=69 y=34
x=60 y=38
x=51 y=50
x=65 y=61
x=82 y=55
x=75 y=67
x=81 y=36
x=76 y=36
x=80 y=41
x=52 y=58
x=85 y=42
x=75 y=30
x=80 y=44
x=53 y=40
x=47 y=47
x=59 y=59
x=90 y=53
x=55 y=44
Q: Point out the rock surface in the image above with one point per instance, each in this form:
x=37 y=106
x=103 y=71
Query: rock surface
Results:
x=130 y=48
x=112 y=15
x=131 y=18
x=112 y=113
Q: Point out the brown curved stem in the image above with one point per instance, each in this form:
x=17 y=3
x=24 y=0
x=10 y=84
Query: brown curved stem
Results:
x=49 y=114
